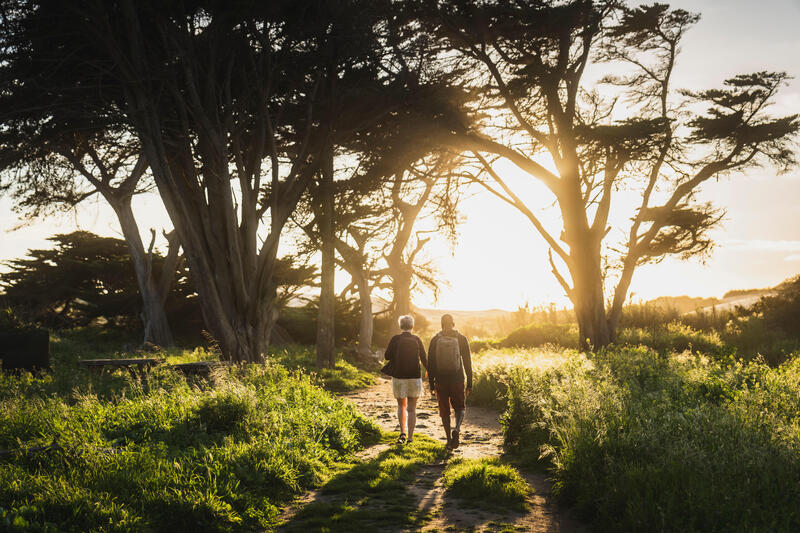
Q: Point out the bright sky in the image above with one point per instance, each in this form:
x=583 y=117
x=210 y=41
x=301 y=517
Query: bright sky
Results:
x=500 y=262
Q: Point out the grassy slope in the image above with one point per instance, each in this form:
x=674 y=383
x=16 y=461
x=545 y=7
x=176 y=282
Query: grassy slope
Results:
x=640 y=440
x=171 y=453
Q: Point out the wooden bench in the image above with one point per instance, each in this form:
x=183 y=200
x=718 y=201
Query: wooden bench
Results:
x=198 y=368
x=136 y=367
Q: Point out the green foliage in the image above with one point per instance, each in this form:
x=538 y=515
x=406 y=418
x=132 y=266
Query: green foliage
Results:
x=9 y=320
x=168 y=452
x=486 y=483
x=301 y=322
x=781 y=311
x=637 y=439
x=346 y=376
x=533 y=335
x=83 y=277
x=540 y=334
x=676 y=337
x=86 y=278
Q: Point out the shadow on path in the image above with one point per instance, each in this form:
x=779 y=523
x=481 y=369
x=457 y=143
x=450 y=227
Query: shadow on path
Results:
x=399 y=488
x=374 y=495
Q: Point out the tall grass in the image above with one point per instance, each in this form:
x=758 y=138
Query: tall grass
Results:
x=486 y=483
x=640 y=440
x=664 y=337
x=167 y=453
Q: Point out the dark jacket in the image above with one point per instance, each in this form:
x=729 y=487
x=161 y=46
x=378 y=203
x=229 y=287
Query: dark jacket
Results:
x=402 y=365
x=466 y=360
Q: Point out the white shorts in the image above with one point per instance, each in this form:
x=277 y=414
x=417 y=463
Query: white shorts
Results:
x=407 y=388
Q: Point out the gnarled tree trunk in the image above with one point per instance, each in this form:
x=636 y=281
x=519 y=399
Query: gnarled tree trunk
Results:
x=367 y=320
x=156 y=326
x=401 y=290
x=326 y=354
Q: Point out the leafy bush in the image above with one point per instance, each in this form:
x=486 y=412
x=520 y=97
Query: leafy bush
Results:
x=301 y=322
x=638 y=439
x=780 y=310
x=345 y=376
x=677 y=337
x=565 y=335
x=9 y=320
x=494 y=369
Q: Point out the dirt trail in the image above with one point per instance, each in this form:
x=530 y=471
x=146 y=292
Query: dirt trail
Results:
x=481 y=436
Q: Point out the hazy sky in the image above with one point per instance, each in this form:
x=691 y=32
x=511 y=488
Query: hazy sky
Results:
x=501 y=262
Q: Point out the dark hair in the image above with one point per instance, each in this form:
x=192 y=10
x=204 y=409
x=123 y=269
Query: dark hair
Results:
x=447 y=321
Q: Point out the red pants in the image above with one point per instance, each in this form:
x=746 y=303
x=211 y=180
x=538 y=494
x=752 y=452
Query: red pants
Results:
x=450 y=394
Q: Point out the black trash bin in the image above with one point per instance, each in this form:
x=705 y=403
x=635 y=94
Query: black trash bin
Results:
x=25 y=349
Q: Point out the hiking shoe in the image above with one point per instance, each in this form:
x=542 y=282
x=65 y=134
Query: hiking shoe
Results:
x=401 y=439
x=454 y=439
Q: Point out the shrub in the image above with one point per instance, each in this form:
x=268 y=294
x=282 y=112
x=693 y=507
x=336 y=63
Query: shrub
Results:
x=638 y=439
x=677 y=337
x=565 y=335
x=486 y=483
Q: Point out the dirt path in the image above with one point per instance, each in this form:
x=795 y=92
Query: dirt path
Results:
x=481 y=436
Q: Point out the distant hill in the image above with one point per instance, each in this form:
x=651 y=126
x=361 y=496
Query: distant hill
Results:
x=730 y=300
x=489 y=320
x=747 y=292
x=435 y=314
x=683 y=304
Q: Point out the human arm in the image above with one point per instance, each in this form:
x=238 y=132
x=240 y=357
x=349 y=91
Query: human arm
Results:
x=466 y=358
x=432 y=363
x=391 y=349
x=422 y=358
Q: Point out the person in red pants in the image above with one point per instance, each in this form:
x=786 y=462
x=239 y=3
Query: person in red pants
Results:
x=449 y=363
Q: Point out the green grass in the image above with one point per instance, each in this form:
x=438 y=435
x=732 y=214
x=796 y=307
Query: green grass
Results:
x=664 y=337
x=67 y=348
x=486 y=483
x=637 y=439
x=495 y=368
x=372 y=494
x=169 y=452
x=346 y=376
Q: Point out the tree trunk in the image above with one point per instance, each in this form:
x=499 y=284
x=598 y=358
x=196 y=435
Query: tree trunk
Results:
x=620 y=294
x=585 y=263
x=589 y=301
x=326 y=355
x=401 y=293
x=238 y=307
x=198 y=138
x=365 y=326
x=156 y=326
x=172 y=262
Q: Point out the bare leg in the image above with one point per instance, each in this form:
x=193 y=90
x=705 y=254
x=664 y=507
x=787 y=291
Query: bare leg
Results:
x=401 y=414
x=412 y=417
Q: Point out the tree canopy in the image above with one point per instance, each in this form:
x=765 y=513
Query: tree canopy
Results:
x=244 y=111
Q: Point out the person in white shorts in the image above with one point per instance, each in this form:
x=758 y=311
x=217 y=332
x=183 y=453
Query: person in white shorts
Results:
x=405 y=352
